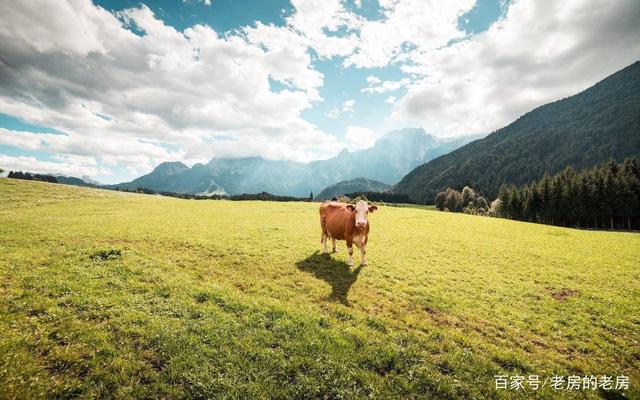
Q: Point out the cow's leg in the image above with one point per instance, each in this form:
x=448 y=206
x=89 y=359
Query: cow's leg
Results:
x=333 y=241
x=323 y=237
x=350 y=248
x=323 y=241
x=363 y=252
x=350 y=259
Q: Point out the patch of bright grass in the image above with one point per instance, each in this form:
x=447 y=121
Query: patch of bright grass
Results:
x=107 y=294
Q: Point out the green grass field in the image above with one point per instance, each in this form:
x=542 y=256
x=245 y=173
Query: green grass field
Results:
x=108 y=294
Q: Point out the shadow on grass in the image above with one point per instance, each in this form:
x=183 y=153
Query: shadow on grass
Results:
x=335 y=273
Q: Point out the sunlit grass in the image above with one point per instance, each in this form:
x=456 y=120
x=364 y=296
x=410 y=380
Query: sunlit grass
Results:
x=107 y=294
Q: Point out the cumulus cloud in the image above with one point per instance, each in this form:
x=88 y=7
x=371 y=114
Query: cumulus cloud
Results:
x=386 y=86
x=326 y=26
x=405 y=25
x=127 y=87
x=334 y=113
x=359 y=137
x=31 y=164
x=539 y=52
x=205 y=2
x=348 y=105
x=372 y=80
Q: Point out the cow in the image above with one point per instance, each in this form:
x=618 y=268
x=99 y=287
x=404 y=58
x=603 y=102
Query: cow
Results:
x=346 y=222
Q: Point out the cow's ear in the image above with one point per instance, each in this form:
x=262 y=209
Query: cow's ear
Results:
x=351 y=207
x=372 y=208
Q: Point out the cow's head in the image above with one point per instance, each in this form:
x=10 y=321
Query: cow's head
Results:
x=362 y=209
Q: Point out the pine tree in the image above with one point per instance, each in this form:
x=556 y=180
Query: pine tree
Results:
x=545 y=192
x=535 y=203
x=516 y=204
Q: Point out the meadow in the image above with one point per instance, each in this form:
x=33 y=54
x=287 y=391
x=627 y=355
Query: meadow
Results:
x=117 y=295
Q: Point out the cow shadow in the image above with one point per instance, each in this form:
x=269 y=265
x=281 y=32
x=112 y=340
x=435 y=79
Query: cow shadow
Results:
x=335 y=273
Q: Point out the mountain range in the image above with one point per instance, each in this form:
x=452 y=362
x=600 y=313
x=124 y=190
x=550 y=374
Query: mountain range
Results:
x=598 y=124
x=387 y=161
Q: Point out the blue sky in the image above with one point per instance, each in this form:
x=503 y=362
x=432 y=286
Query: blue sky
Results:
x=111 y=88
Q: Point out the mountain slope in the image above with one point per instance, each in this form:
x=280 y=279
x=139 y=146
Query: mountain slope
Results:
x=91 y=181
x=255 y=175
x=391 y=157
x=71 y=180
x=600 y=123
x=174 y=177
x=351 y=186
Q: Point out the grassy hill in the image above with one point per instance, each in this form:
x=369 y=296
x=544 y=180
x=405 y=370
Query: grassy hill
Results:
x=589 y=128
x=107 y=294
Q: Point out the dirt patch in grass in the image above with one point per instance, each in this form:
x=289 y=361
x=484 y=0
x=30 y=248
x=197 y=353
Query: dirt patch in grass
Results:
x=563 y=294
x=431 y=311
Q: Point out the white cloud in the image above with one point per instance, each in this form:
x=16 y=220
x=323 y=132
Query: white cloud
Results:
x=76 y=145
x=359 y=137
x=334 y=113
x=348 y=106
x=76 y=160
x=31 y=164
x=390 y=99
x=326 y=26
x=539 y=52
x=404 y=25
x=31 y=141
x=386 y=86
x=372 y=80
x=166 y=94
x=206 y=2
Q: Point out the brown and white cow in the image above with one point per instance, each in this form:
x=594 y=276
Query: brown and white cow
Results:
x=346 y=222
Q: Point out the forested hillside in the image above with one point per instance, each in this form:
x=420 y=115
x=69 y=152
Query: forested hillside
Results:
x=351 y=186
x=601 y=123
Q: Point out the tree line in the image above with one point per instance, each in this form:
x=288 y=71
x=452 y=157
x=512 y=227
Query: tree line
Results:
x=263 y=196
x=467 y=201
x=143 y=190
x=32 y=177
x=385 y=197
x=606 y=196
